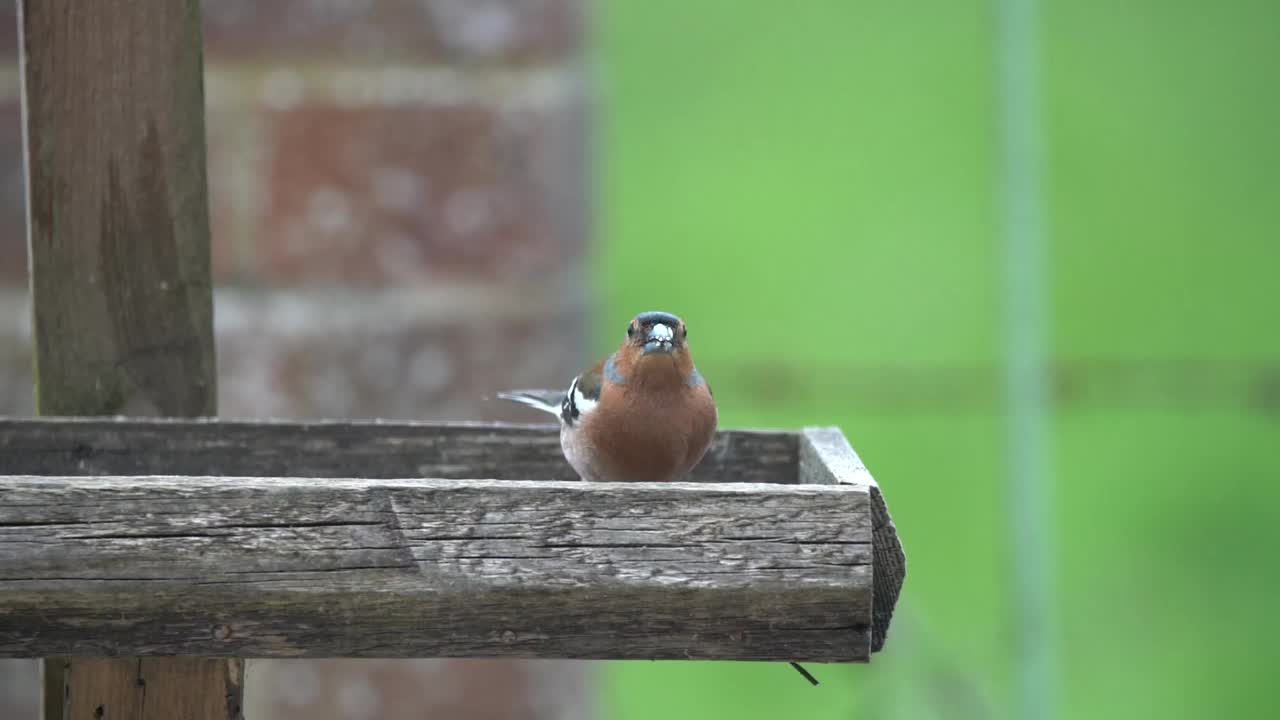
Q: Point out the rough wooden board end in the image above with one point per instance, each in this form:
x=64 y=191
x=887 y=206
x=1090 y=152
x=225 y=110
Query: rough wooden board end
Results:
x=826 y=456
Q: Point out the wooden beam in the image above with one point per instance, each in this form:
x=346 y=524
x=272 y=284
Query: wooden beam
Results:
x=118 y=228
x=348 y=567
x=827 y=457
x=101 y=446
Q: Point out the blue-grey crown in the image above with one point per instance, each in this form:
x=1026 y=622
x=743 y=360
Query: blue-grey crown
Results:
x=654 y=316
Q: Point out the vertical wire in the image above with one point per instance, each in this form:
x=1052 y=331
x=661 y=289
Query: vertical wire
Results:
x=1023 y=232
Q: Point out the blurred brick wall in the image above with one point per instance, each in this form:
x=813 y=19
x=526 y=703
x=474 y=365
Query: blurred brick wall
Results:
x=399 y=201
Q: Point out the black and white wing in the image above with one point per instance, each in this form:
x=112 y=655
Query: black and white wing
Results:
x=569 y=405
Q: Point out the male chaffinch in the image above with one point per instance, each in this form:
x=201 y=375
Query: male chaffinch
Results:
x=642 y=414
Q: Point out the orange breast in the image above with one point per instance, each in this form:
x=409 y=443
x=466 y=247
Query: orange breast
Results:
x=649 y=436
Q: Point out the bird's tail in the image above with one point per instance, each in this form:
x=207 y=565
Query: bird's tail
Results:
x=545 y=400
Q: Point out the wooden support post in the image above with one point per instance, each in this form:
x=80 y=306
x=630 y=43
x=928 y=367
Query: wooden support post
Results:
x=118 y=224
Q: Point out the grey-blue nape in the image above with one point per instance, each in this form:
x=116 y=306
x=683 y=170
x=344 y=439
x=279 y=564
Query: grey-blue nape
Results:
x=611 y=373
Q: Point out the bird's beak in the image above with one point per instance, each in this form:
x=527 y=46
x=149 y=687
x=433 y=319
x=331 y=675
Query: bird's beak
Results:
x=660 y=338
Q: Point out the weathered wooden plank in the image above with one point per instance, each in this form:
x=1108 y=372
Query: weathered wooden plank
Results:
x=827 y=457
x=99 y=446
x=118 y=228
x=294 y=567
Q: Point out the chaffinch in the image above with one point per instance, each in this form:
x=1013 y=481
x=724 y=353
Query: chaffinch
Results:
x=642 y=414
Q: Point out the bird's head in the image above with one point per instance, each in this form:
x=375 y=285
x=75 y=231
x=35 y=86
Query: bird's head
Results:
x=657 y=342
x=656 y=332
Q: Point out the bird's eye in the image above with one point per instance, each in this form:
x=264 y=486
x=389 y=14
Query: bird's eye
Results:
x=631 y=330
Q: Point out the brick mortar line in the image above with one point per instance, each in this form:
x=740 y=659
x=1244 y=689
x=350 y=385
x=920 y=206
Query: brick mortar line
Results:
x=284 y=86
x=293 y=310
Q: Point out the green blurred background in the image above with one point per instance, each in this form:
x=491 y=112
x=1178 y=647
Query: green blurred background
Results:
x=814 y=187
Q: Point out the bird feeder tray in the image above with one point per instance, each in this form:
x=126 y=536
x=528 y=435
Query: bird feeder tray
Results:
x=143 y=537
